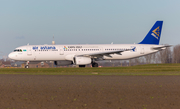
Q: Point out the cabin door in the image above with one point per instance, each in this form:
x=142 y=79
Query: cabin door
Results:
x=29 y=50
x=142 y=49
x=61 y=51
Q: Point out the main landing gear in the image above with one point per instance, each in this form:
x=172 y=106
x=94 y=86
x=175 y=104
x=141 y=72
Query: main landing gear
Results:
x=94 y=64
x=82 y=65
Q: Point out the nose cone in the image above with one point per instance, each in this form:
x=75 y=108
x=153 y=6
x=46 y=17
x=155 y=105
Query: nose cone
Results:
x=11 y=56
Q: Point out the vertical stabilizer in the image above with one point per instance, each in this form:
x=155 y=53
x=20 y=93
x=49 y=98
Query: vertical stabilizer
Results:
x=153 y=37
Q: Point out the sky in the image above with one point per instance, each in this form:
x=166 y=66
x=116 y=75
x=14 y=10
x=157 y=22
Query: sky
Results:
x=85 y=22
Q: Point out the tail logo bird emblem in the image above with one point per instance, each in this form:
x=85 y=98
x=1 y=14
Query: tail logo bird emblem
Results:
x=156 y=33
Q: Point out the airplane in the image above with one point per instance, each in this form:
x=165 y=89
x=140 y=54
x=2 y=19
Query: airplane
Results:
x=85 y=54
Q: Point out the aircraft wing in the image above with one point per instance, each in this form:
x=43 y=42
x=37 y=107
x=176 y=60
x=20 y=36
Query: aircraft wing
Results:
x=162 y=47
x=100 y=54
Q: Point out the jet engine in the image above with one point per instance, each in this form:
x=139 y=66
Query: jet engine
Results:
x=63 y=63
x=82 y=60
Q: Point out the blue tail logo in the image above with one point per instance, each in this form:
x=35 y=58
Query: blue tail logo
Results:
x=156 y=31
x=153 y=37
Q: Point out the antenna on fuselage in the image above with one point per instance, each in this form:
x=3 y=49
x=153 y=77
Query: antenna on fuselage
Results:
x=53 y=42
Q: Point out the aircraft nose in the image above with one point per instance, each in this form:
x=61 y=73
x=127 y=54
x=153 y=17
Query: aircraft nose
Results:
x=11 y=56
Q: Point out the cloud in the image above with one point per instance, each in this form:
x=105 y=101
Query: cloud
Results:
x=19 y=37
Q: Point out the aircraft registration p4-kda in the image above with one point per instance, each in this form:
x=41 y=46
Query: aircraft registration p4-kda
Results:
x=89 y=54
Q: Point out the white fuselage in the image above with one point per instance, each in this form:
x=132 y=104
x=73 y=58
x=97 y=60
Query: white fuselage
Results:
x=88 y=54
x=67 y=52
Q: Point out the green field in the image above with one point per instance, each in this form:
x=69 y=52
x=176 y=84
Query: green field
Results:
x=151 y=69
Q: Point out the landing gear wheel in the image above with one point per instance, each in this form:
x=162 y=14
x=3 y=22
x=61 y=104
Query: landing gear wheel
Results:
x=94 y=64
x=82 y=65
x=26 y=66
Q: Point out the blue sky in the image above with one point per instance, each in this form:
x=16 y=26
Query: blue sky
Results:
x=85 y=21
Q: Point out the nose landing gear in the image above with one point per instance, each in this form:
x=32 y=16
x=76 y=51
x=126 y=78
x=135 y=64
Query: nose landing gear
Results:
x=27 y=65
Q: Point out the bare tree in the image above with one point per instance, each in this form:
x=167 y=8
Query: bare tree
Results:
x=165 y=56
x=137 y=61
x=0 y=62
x=176 y=54
x=155 y=58
x=132 y=62
x=149 y=58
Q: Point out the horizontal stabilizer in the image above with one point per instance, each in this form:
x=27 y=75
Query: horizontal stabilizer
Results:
x=163 y=47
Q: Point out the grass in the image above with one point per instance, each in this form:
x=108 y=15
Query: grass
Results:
x=150 y=69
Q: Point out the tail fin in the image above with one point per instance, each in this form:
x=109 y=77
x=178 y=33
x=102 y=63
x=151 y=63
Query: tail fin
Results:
x=153 y=37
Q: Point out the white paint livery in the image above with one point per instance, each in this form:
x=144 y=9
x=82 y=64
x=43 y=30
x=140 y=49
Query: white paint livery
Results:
x=86 y=54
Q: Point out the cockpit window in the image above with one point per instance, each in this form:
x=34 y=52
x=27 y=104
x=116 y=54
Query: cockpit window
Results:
x=18 y=50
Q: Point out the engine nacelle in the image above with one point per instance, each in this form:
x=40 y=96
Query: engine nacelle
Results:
x=82 y=60
x=63 y=62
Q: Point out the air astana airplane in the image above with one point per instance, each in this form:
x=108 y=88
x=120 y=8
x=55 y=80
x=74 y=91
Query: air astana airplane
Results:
x=89 y=54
